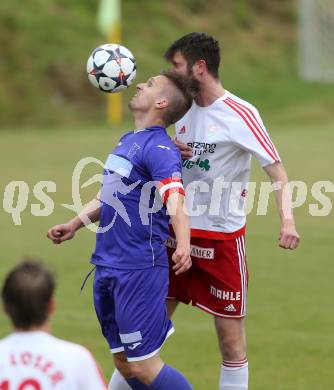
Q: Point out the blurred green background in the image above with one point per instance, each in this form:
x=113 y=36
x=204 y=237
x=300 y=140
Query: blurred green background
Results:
x=44 y=46
x=51 y=117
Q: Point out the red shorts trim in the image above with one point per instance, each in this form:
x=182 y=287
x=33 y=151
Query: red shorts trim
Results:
x=217 y=282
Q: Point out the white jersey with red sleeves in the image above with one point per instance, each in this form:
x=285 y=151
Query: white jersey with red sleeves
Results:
x=223 y=137
x=39 y=361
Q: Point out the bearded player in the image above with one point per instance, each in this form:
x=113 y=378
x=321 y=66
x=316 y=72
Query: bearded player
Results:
x=217 y=137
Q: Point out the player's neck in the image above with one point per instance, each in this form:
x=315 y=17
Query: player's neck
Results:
x=209 y=92
x=143 y=120
x=42 y=328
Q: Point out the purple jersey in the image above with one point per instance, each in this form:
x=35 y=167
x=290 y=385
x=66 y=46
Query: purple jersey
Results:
x=133 y=220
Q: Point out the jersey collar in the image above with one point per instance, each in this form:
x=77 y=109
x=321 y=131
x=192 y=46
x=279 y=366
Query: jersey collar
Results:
x=151 y=128
x=154 y=128
x=220 y=99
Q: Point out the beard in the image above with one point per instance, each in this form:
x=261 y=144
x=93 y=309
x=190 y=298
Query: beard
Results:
x=194 y=83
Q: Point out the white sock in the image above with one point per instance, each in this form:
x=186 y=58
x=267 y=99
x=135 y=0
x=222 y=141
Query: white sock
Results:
x=117 y=382
x=234 y=375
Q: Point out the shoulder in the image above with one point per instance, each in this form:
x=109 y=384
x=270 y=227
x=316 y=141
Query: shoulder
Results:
x=69 y=349
x=187 y=122
x=239 y=107
x=161 y=142
x=126 y=135
x=68 y=345
x=5 y=342
x=76 y=355
x=186 y=116
x=79 y=359
x=241 y=115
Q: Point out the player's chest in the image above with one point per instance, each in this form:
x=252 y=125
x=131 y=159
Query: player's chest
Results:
x=130 y=148
x=203 y=131
x=125 y=159
x=207 y=136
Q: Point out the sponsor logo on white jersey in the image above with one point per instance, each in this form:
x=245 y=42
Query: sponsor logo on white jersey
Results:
x=200 y=148
x=204 y=165
x=225 y=295
x=182 y=130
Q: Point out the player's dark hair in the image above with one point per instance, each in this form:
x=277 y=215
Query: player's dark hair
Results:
x=181 y=101
x=26 y=294
x=197 y=46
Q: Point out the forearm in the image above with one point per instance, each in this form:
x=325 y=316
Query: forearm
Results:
x=282 y=192
x=179 y=219
x=90 y=214
x=288 y=238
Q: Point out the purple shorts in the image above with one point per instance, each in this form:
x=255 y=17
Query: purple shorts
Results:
x=131 y=309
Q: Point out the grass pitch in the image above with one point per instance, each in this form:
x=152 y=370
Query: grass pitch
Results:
x=290 y=318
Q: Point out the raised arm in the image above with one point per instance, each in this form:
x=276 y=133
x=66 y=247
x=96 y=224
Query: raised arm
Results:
x=288 y=237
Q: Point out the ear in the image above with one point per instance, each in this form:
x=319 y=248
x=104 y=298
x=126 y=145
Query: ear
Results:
x=200 y=67
x=162 y=103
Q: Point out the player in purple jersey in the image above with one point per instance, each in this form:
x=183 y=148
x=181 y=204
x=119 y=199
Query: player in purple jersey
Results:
x=142 y=181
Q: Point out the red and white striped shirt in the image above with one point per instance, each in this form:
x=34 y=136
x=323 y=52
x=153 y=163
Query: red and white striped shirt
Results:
x=223 y=137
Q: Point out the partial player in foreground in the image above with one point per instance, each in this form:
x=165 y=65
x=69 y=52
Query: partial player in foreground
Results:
x=218 y=136
x=31 y=358
x=131 y=276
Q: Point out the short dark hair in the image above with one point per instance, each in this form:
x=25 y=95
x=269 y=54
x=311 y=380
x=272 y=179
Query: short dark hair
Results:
x=197 y=46
x=26 y=294
x=180 y=100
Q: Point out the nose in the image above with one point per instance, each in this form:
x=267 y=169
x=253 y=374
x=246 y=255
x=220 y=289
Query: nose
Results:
x=139 y=86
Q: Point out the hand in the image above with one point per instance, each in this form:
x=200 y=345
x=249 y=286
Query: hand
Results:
x=288 y=238
x=185 y=150
x=61 y=233
x=182 y=259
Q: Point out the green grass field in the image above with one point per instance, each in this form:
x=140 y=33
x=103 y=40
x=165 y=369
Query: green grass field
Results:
x=290 y=314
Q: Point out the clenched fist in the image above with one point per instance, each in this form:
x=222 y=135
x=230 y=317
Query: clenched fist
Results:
x=61 y=233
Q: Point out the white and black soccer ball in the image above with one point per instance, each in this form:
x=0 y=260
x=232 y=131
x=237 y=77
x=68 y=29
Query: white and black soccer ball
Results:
x=111 y=68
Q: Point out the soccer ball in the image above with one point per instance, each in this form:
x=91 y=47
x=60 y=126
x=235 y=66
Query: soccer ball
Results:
x=111 y=68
